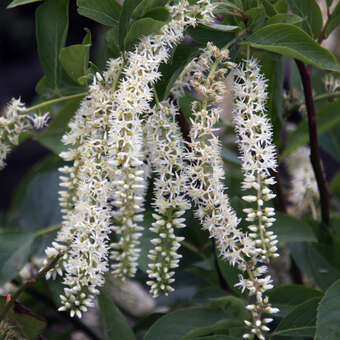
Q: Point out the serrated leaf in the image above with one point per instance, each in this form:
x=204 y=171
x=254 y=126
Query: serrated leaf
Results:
x=287 y=297
x=300 y=322
x=139 y=28
x=15 y=247
x=326 y=119
x=145 y=5
x=51 y=31
x=106 y=12
x=328 y=318
x=310 y=10
x=176 y=324
x=291 y=229
x=16 y=3
x=284 y=18
x=28 y=324
x=333 y=21
x=291 y=41
x=114 y=325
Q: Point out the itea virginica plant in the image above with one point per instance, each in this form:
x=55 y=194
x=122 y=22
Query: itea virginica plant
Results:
x=105 y=185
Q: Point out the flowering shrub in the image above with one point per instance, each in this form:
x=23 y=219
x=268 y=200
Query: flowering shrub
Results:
x=190 y=205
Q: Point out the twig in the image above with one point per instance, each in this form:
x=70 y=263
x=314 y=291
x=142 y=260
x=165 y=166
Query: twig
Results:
x=28 y=283
x=313 y=140
x=63 y=315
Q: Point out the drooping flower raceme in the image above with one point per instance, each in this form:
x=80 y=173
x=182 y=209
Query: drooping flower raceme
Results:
x=13 y=123
x=254 y=134
x=205 y=169
x=258 y=156
x=105 y=185
x=304 y=190
x=166 y=150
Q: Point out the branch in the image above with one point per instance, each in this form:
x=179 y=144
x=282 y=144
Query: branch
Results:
x=313 y=141
x=77 y=324
x=28 y=283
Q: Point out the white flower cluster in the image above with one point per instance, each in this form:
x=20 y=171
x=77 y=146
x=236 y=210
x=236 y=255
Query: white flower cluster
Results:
x=258 y=157
x=304 y=191
x=105 y=185
x=254 y=133
x=166 y=149
x=331 y=83
x=13 y=123
x=205 y=170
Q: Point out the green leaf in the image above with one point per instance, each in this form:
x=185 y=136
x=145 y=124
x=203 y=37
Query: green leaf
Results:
x=51 y=31
x=326 y=119
x=124 y=20
x=327 y=323
x=15 y=247
x=28 y=324
x=114 y=325
x=51 y=136
x=281 y=6
x=284 y=18
x=269 y=8
x=310 y=10
x=230 y=275
x=177 y=324
x=16 y=3
x=333 y=20
x=145 y=5
x=106 y=12
x=35 y=207
x=272 y=68
x=291 y=41
x=291 y=229
x=139 y=28
x=75 y=60
x=216 y=337
x=203 y=34
x=311 y=261
x=226 y=326
x=287 y=297
x=111 y=39
x=256 y=18
x=232 y=306
x=300 y=322
x=230 y=156
x=334 y=186
x=158 y=13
